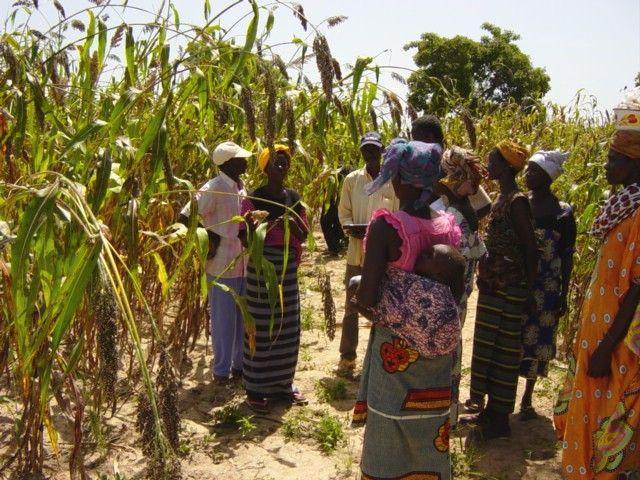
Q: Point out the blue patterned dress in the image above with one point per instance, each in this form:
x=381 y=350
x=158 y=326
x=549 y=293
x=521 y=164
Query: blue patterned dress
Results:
x=556 y=235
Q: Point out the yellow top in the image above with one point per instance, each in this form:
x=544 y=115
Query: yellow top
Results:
x=356 y=207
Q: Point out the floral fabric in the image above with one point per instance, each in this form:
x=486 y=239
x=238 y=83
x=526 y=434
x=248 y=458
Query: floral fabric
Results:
x=419 y=310
x=598 y=419
x=556 y=238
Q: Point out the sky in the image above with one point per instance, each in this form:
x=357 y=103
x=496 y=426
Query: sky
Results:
x=583 y=44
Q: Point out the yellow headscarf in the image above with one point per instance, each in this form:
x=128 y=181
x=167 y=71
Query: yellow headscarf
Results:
x=513 y=153
x=265 y=154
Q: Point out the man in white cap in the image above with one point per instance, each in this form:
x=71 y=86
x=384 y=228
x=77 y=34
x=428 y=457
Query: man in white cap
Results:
x=218 y=202
x=354 y=210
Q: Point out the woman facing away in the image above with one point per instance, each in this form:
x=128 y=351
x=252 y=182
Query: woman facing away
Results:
x=505 y=277
x=463 y=173
x=555 y=228
x=597 y=415
x=405 y=397
x=269 y=370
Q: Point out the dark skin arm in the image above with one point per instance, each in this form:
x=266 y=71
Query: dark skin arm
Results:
x=600 y=361
x=297 y=228
x=567 y=267
x=355 y=232
x=214 y=238
x=385 y=249
x=521 y=216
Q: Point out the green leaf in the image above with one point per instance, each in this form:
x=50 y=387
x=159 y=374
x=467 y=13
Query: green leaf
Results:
x=83 y=134
x=85 y=261
x=270 y=21
x=176 y=15
x=162 y=274
x=102 y=43
x=252 y=31
x=361 y=64
x=129 y=51
x=152 y=130
x=103 y=174
x=25 y=292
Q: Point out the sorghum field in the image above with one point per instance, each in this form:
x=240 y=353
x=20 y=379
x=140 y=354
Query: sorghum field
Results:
x=105 y=131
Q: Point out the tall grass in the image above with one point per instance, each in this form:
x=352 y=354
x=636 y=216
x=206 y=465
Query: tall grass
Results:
x=95 y=167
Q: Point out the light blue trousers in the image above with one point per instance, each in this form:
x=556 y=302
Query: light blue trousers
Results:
x=227 y=328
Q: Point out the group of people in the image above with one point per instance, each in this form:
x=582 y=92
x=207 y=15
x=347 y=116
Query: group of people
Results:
x=412 y=215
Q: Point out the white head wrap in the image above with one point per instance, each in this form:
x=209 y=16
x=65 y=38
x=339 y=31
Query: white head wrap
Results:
x=550 y=161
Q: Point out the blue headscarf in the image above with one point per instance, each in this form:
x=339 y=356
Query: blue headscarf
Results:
x=417 y=163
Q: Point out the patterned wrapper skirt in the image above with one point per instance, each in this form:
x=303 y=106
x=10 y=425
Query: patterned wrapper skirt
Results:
x=270 y=370
x=404 y=399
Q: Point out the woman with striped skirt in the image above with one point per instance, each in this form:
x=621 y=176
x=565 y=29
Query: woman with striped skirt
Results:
x=505 y=277
x=270 y=366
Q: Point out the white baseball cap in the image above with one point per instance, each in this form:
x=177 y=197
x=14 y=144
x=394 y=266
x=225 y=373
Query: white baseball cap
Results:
x=228 y=150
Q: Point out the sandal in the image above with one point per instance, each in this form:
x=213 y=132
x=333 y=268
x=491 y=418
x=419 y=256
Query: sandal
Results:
x=473 y=406
x=297 y=397
x=258 y=405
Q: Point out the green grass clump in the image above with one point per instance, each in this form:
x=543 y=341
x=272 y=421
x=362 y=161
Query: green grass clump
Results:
x=329 y=390
x=329 y=433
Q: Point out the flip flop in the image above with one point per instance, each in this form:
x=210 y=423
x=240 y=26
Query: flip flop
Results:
x=297 y=397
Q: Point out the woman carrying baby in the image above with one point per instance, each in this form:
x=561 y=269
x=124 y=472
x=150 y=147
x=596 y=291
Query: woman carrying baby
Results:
x=405 y=389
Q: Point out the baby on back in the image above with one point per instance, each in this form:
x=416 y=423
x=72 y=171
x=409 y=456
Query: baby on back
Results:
x=442 y=264
x=421 y=307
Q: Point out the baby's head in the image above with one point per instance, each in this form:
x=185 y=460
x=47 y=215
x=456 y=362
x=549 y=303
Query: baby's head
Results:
x=445 y=265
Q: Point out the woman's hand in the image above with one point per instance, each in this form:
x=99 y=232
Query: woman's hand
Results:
x=600 y=360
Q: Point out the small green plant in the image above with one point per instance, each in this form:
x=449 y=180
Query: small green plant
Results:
x=307 y=319
x=296 y=424
x=305 y=354
x=329 y=433
x=329 y=390
x=245 y=425
x=208 y=439
x=228 y=415
x=231 y=416
x=184 y=449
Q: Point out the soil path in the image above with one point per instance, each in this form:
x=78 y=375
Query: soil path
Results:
x=221 y=440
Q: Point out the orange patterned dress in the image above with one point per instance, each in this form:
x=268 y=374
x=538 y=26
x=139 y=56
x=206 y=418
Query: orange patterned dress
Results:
x=598 y=419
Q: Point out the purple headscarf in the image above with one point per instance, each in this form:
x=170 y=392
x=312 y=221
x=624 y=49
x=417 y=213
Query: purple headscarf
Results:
x=417 y=163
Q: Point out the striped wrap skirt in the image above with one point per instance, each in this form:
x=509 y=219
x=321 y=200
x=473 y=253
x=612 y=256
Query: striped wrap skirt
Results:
x=268 y=372
x=497 y=346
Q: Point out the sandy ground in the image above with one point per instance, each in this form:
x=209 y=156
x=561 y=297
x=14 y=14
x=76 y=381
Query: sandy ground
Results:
x=214 y=447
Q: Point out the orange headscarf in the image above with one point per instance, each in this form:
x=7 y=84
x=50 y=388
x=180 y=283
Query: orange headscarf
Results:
x=265 y=154
x=627 y=142
x=513 y=153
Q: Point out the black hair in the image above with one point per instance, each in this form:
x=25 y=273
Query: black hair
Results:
x=456 y=268
x=428 y=125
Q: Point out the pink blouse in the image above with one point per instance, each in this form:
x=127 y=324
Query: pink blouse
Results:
x=418 y=234
x=275 y=235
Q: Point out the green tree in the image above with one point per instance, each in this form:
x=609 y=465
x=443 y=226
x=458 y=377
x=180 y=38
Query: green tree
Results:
x=637 y=82
x=462 y=70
